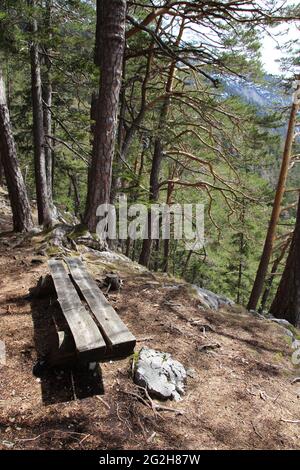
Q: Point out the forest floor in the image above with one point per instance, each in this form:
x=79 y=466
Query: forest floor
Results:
x=241 y=395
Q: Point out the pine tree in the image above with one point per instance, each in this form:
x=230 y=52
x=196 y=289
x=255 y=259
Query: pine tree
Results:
x=22 y=220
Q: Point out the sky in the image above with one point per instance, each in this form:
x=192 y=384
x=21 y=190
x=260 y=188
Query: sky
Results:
x=278 y=36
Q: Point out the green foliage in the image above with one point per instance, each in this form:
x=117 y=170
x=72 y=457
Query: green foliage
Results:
x=217 y=150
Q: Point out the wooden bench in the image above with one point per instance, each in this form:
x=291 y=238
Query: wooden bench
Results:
x=94 y=330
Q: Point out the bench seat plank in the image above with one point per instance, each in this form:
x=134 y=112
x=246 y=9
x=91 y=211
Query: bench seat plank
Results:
x=120 y=340
x=88 y=339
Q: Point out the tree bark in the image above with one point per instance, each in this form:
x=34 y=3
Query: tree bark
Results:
x=110 y=43
x=47 y=97
x=21 y=212
x=116 y=183
x=269 y=242
x=286 y=303
x=74 y=182
x=270 y=280
x=158 y=154
x=44 y=213
x=1 y=172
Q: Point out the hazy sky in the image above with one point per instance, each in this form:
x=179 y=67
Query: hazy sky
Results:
x=278 y=36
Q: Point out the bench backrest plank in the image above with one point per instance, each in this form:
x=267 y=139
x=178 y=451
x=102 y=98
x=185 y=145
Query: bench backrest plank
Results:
x=87 y=337
x=119 y=338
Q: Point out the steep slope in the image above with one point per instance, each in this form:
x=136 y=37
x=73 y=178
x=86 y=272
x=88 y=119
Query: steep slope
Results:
x=239 y=395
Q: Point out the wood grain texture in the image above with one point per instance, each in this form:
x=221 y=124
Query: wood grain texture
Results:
x=87 y=336
x=118 y=337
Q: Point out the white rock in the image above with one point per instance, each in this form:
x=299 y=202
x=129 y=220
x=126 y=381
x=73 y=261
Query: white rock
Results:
x=161 y=375
x=211 y=300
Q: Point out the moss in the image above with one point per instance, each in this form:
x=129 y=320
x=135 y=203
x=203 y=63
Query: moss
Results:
x=78 y=231
x=278 y=356
x=53 y=250
x=294 y=330
x=135 y=357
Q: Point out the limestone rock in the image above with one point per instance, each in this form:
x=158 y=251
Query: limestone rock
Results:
x=281 y=321
x=161 y=375
x=211 y=300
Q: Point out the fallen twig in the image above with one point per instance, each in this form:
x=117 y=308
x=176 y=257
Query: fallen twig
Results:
x=295 y=380
x=136 y=395
x=85 y=437
x=50 y=431
x=157 y=406
x=103 y=401
x=294 y=421
x=151 y=437
x=256 y=431
x=264 y=396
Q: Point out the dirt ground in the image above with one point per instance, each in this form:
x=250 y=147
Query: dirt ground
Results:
x=240 y=395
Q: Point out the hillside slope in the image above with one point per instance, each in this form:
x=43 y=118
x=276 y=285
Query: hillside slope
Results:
x=240 y=396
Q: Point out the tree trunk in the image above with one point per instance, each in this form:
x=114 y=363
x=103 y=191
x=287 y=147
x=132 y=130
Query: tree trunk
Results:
x=158 y=155
x=110 y=45
x=44 y=213
x=21 y=212
x=47 y=97
x=116 y=183
x=74 y=181
x=273 y=272
x=154 y=194
x=268 y=246
x=286 y=303
x=1 y=172
x=166 y=250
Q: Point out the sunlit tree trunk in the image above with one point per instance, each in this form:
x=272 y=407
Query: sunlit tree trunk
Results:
x=21 y=212
x=269 y=241
x=44 y=213
x=110 y=42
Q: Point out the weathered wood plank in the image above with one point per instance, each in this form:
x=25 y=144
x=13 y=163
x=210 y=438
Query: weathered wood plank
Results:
x=120 y=340
x=88 y=339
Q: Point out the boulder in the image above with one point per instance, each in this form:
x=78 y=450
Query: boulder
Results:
x=296 y=344
x=162 y=376
x=289 y=333
x=281 y=321
x=211 y=300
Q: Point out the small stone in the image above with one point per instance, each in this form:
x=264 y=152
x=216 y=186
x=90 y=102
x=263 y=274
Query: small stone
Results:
x=191 y=373
x=8 y=444
x=208 y=347
x=296 y=344
x=35 y=231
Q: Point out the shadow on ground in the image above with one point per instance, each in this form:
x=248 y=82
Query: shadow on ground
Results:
x=61 y=383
